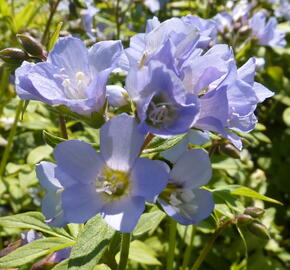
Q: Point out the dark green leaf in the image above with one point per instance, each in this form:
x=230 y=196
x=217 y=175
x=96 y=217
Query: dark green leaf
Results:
x=91 y=244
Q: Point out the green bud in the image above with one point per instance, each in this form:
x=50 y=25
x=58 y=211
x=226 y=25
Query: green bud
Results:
x=31 y=46
x=244 y=219
x=230 y=150
x=254 y=211
x=13 y=55
x=259 y=230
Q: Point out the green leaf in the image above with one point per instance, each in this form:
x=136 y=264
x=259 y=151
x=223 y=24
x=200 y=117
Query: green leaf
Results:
x=148 y=222
x=91 y=244
x=160 y=144
x=39 y=153
x=34 y=250
x=62 y=265
x=54 y=37
x=141 y=253
x=286 y=116
x=32 y=220
x=95 y=119
x=247 y=192
x=51 y=139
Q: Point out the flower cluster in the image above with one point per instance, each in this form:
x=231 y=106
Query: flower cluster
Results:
x=179 y=80
x=257 y=27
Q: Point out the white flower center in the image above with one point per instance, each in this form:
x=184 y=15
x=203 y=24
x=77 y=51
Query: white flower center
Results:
x=74 y=87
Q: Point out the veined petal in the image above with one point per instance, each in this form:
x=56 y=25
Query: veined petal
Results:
x=148 y=178
x=79 y=160
x=71 y=55
x=104 y=54
x=192 y=169
x=120 y=142
x=124 y=214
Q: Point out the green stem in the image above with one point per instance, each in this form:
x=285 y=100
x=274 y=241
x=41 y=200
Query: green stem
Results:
x=125 y=246
x=62 y=125
x=53 y=9
x=172 y=241
x=117 y=18
x=10 y=138
x=209 y=244
x=188 y=250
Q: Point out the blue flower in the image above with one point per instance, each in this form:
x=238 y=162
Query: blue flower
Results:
x=88 y=16
x=72 y=75
x=114 y=183
x=182 y=199
x=267 y=33
x=230 y=104
x=183 y=37
x=163 y=105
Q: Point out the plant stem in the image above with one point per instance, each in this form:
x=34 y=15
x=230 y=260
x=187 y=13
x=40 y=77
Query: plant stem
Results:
x=10 y=138
x=117 y=18
x=53 y=9
x=147 y=140
x=188 y=249
x=125 y=246
x=209 y=244
x=172 y=241
x=62 y=125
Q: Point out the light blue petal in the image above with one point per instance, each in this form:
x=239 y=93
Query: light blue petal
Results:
x=192 y=169
x=148 y=178
x=52 y=209
x=120 y=142
x=79 y=160
x=48 y=87
x=46 y=175
x=23 y=86
x=262 y=92
x=81 y=202
x=71 y=55
x=202 y=203
x=104 y=54
x=123 y=214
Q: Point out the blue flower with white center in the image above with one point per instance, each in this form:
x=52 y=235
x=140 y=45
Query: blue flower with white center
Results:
x=267 y=33
x=71 y=76
x=182 y=199
x=163 y=106
x=114 y=182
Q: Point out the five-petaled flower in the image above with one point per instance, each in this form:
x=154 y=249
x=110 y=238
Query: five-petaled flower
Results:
x=114 y=182
x=182 y=199
x=71 y=76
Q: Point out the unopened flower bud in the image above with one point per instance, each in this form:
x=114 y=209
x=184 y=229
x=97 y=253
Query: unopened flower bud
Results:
x=116 y=96
x=31 y=45
x=244 y=219
x=254 y=211
x=13 y=55
x=259 y=230
x=230 y=150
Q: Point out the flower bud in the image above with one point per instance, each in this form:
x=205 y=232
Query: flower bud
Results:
x=116 y=96
x=259 y=230
x=230 y=150
x=244 y=219
x=30 y=45
x=254 y=211
x=13 y=55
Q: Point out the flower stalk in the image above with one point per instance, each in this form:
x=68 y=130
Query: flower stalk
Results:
x=124 y=254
